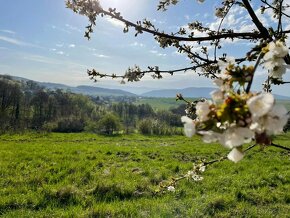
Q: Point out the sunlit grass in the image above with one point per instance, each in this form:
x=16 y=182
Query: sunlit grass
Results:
x=84 y=175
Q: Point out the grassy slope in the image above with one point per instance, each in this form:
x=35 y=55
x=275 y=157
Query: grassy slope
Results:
x=160 y=103
x=83 y=175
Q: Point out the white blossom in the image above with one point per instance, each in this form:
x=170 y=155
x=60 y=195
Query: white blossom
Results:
x=276 y=119
x=171 y=188
x=221 y=84
x=261 y=104
x=202 y=168
x=276 y=67
x=235 y=155
x=217 y=95
x=196 y=177
x=189 y=126
x=278 y=49
x=236 y=136
x=202 y=110
x=274 y=61
x=273 y=122
x=224 y=63
x=210 y=136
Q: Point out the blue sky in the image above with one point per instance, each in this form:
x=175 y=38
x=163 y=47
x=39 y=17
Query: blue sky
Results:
x=43 y=40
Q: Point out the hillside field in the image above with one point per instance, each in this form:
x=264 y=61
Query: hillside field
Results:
x=85 y=175
x=167 y=103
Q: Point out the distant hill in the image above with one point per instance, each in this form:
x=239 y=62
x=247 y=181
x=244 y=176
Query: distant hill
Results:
x=192 y=92
x=91 y=90
x=85 y=90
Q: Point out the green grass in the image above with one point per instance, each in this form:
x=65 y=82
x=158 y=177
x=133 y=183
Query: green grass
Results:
x=286 y=103
x=84 y=175
x=160 y=103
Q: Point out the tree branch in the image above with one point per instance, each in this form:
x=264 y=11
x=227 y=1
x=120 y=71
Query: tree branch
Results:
x=139 y=74
x=254 y=70
x=243 y=35
x=259 y=25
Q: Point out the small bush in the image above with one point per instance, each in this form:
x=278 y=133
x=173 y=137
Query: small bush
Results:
x=109 y=124
x=68 y=125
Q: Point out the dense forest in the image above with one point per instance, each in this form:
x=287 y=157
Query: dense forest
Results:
x=25 y=105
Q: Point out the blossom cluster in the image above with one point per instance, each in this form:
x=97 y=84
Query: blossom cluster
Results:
x=235 y=117
x=274 y=59
x=89 y=8
x=233 y=120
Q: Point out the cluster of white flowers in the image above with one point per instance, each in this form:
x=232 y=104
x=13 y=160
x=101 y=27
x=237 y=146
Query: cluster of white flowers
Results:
x=88 y=8
x=171 y=188
x=195 y=172
x=266 y=116
x=274 y=59
x=235 y=119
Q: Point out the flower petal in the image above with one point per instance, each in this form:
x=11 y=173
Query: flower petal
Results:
x=235 y=155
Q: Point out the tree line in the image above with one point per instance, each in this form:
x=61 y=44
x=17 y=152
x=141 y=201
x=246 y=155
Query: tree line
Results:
x=25 y=105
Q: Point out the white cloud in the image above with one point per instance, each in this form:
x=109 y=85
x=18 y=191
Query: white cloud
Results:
x=60 y=45
x=73 y=28
x=16 y=41
x=60 y=52
x=38 y=58
x=115 y=22
x=137 y=44
x=60 y=29
x=8 y=31
x=160 y=22
x=71 y=45
x=158 y=53
x=101 y=56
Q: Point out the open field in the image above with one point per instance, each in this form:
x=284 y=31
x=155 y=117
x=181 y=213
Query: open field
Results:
x=160 y=103
x=84 y=175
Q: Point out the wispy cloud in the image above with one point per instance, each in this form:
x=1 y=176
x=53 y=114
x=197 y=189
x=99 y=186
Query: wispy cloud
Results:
x=101 y=56
x=73 y=28
x=71 y=45
x=40 y=59
x=8 y=31
x=60 y=52
x=60 y=29
x=158 y=53
x=15 y=41
x=137 y=44
x=116 y=23
x=60 y=45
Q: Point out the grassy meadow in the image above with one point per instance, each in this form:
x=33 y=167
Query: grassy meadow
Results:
x=160 y=103
x=85 y=175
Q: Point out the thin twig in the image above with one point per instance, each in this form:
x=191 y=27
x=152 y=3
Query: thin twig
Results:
x=280 y=146
x=254 y=70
